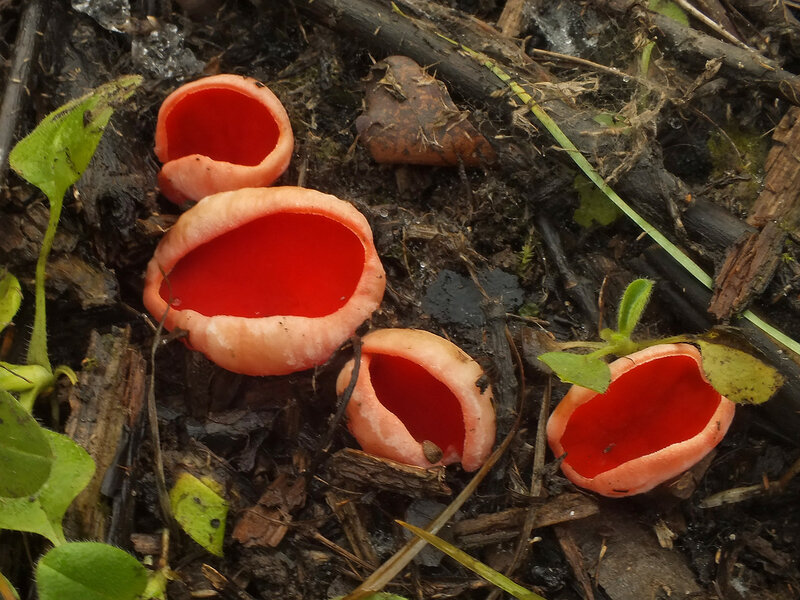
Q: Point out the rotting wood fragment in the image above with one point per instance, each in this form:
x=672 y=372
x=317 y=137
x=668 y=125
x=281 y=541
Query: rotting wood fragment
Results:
x=355 y=469
x=504 y=525
x=751 y=263
x=104 y=407
x=267 y=522
x=346 y=510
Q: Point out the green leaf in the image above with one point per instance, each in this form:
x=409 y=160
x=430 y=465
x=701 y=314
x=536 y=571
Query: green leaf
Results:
x=55 y=154
x=580 y=369
x=632 y=305
x=595 y=206
x=10 y=298
x=669 y=9
x=19 y=378
x=53 y=157
x=737 y=375
x=7 y=591
x=485 y=571
x=89 y=571
x=200 y=511
x=25 y=455
x=43 y=512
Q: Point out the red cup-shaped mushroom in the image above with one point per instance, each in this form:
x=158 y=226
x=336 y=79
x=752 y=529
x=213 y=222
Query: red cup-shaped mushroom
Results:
x=420 y=400
x=266 y=281
x=659 y=416
x=221 y=133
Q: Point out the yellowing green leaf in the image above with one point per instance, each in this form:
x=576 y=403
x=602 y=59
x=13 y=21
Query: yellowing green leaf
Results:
x=89 y=571
x=200 y=511
x=737 y=375
x=580 y=369
x=7 y=591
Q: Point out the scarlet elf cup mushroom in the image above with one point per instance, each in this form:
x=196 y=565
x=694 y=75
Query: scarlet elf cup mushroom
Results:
x=658 y=417
x=221 y=133
x=267 y=281
x=419 y=399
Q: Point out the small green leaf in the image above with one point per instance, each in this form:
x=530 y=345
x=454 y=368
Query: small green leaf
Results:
x=595 y=206
x=485 y=571
x=7 y=591
x=55 y=154
x=580 y=369
x=632 y=305
x=200 y=511
x=10 y=298
x=737 y=375
x=669 y=9
x=43 y=512
x=89 y=571
x=25 y=455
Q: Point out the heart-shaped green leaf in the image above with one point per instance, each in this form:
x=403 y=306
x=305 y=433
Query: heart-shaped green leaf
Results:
x=580 y=369
x=43 y=512
x=200 y=511
x=89 y=571
x=737 y=375
x=632 y=305
x=25 y=455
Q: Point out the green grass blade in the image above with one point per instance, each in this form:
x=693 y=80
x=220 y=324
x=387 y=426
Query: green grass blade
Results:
x=473 y=564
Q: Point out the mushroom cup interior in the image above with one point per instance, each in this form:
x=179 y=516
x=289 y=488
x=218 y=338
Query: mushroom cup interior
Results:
x=426 y=406
x=224 y=125
x=646 y=409
x=297 y=264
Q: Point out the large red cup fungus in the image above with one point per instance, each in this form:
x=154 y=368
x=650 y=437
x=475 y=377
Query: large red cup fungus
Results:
x=221 y=133
x=420 y=400
x=266 y=281
x=659 y=416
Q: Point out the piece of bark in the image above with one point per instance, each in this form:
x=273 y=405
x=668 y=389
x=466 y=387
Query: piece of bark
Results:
x=747 y=271
x=780 y=198
x=356 y=469
x=751 y=262
x=266 y=523
x=104 y=405
x=511 y=20
x=504 y=525
x=346 y=510
x=575 y=559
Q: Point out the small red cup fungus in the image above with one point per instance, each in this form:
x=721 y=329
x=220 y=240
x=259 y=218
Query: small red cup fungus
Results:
x=420 y=400
x=267 y=281
x=659 y=416
x=221 y=133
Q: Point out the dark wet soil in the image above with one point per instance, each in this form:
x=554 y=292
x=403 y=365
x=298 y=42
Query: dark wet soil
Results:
x=438 y=231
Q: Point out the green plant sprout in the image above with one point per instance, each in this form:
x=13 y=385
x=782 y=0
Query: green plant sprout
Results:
x=41 y=471
x=737 y=375
x=53 y=157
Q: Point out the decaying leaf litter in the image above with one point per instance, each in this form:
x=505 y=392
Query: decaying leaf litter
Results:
x=445 y=236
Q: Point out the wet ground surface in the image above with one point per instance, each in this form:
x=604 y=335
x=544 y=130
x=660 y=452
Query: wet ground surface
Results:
x=441 y=232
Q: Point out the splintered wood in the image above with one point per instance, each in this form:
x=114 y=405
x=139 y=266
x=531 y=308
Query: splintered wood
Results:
x=751 y=262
